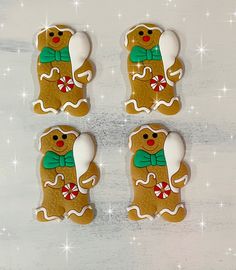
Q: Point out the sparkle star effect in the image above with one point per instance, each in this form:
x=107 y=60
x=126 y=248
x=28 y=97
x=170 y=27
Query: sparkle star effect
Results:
x=202 y=224
x=221 y=205
x=67 y=248
x=119 y=15
x=110 y=212
x=76 y=4
x=201 y=50
x=224 y=89
x=230 y=21
x=15 y=163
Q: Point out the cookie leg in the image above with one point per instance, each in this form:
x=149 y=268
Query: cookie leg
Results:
x=167 y=103
x=81 y=215
x=49 y=212
x=136 y=105
x=141 y=211
x=46 y=104
x=79 y=108
x=175 y=215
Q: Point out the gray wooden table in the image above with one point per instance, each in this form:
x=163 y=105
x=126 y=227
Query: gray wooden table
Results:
x=206 y=238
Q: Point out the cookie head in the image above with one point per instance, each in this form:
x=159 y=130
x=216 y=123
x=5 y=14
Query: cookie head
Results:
x=55 y=37
x=58 y=139
x=150 y=138
x=144 y=35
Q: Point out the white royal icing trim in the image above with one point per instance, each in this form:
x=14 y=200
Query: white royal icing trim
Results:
x=179 y=71
x=163 y=102
x=43 y=108
x=53 y=183
x=143 y=127
x=184 y=178
x=74 y=105
x=87 y=73
x=47 y=76
x=174 y=212
x=132 y=29
x=78 y=214
x=135 y=207
x=92 y=178
x=147 y=180
x=52 y=26
x=138 y=109
x=42 y=209
x=57 y=128
x=138 y=75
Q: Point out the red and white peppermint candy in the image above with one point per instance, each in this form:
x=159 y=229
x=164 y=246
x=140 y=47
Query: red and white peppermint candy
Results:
x=70 y=191
x=65 y=84
x=158 y=83
x=162 y=190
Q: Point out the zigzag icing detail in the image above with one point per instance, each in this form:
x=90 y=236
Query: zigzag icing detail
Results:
x=51 y=183
x=136 y=106
x=141 y=75
x=174 y=212
x=135 y=207
x=163 y=102
x=147 y=180
x=43 y=108
x=79 y=214
x=47 y=76
x=42 y=209
x=76 y=105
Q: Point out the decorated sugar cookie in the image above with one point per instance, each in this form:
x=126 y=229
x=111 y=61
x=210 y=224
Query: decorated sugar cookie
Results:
x=153 y=69
x=63 y=70
x=158 y=173
x=67 y=174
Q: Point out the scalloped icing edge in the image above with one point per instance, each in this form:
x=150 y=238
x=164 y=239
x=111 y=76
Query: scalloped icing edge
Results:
x=138 y=109
x=73 y=105
x=42 y=209
x=39 y=101
x=163 y=102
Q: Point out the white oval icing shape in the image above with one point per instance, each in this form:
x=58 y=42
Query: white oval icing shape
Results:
x=79 y=48
x=169 y=47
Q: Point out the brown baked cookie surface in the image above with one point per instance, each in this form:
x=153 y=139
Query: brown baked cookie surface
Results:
x=158 y=173
x=153 y=69
x=67 y=174
x=63 y=70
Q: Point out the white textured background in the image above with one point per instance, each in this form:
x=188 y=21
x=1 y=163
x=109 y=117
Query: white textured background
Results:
x=206 y=239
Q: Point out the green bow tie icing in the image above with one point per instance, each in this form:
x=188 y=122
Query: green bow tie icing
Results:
x=139 y=54
x=52 y=160
x=48 y=55
x=144 y=159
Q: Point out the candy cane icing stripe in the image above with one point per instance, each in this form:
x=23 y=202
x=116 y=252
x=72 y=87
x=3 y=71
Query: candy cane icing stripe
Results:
x=135 y=207
x=53 y=183
x=43 y=108
x=92 y=178
x=141 y=75
x=147 y=180
x=163 y=102
x=87 y=73
x=138 y=109
x=174 y=212
x=47 y=76
x=42 y=209
x=184 y=178
x=179 y=71
x=79 y=214
x=74 y=105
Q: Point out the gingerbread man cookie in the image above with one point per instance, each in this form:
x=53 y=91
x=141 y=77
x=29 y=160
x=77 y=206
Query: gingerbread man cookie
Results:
x=63 y=70
x=153 y=69
x=67 y=173
x=158 y=173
